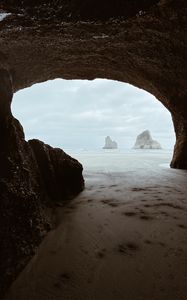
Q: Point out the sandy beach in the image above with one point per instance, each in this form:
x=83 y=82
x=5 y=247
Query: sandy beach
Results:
x=124 y=237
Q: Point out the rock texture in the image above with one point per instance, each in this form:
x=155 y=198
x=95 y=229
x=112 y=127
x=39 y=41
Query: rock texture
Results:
x=60 y=174
x=141 y=42
x=109 y=144
x=179 y=160
x=33 y=177
x=145 y=141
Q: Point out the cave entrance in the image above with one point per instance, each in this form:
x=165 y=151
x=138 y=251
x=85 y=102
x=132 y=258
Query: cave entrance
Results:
x=77 y=115
x=128 y=195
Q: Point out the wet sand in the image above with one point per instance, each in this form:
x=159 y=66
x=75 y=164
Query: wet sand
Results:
x=124 y=237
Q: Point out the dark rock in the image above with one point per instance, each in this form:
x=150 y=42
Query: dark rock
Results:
x=179 y=160
x=22 y=216
x=61 y=174
x=86 y=10
x=32 y=176
x=6 y=94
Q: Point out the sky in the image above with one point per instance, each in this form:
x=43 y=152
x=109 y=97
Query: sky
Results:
x=79 y=114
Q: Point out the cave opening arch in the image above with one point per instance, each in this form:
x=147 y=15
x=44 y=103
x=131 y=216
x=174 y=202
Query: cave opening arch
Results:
x=67 y=113
x=161 y=94
x=134 y=42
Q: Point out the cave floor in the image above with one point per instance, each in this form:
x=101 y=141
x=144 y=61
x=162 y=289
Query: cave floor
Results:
x=123 y=237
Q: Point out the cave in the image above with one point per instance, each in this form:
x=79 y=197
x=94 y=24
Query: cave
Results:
x=142 y=43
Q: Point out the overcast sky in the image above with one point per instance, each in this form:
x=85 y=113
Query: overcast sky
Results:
x=79 y=114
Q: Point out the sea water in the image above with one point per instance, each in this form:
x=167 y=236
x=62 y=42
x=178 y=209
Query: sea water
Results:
x=117 y=160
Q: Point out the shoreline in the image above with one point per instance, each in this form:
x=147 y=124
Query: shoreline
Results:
x=123 y=237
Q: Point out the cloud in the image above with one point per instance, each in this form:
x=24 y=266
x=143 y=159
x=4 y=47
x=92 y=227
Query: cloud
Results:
x=80 y=113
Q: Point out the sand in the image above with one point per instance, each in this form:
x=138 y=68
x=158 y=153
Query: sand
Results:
x=124 y=237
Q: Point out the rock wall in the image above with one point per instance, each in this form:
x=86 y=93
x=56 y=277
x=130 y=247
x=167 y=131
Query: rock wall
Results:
x=179 y=160
x=78 y=9
x=33 y=176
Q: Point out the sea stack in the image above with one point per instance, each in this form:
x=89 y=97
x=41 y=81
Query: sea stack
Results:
x=145 y=141
x=109 y=144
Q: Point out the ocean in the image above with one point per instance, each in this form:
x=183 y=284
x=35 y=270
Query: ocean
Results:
x=121 y=160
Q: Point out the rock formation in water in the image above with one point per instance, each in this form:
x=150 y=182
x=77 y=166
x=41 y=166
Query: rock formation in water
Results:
x=141 y=42
x=145 y=141
x=109 y=144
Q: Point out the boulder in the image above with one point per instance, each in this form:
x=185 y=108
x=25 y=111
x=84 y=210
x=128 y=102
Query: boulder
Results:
x=60 y=174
